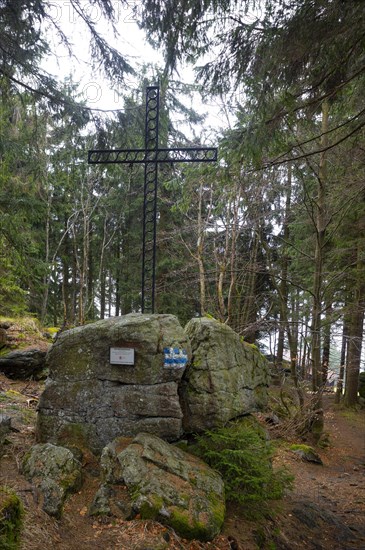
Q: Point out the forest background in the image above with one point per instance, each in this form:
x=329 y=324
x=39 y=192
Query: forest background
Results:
x=271 y=240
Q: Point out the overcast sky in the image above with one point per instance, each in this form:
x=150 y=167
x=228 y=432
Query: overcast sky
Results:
x=131 y=42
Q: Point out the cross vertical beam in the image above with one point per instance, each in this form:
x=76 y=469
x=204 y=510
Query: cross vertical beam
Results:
x=150 y=200
x=151 y=156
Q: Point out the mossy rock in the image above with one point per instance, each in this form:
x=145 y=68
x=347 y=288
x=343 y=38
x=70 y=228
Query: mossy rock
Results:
x=226 y=379
x=55 y=472
x=11 y=516
x=306 y=453
x=168 y=485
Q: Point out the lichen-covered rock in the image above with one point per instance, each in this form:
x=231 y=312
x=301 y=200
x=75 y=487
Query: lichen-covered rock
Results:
x=226 y=378
x=11 y=514
x=91 y=400
x=55 y=473
x=112 y=501
x=168 y=485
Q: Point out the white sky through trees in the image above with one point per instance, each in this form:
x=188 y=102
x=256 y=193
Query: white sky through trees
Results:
x=95 y=90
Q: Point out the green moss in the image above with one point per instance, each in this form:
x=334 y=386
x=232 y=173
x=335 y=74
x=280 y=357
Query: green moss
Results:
x=71 y=482
x=181 y=522
x=209 y=316
x=217 y=510
x=304 y=448
x=13 y=393
x=52 y=330
x=182 y=445
x=150 y=508
x=253 y=347
x=11 y=519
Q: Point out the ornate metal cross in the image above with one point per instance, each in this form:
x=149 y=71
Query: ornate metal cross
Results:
x=151 y=156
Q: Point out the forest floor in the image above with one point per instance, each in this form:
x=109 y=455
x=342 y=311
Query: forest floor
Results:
x=325 y=509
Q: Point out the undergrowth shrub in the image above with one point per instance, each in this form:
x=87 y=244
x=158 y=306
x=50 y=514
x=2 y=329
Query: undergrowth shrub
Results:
x=242 y=454
x=11 y=516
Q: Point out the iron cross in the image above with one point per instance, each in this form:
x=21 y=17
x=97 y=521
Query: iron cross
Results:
x=151 y=156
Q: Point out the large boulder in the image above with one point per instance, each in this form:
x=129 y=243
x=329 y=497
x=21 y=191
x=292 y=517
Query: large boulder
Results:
x=226 y=378
x=24 y=364
x=89 y=401
x=168 y=485
x=55 y=472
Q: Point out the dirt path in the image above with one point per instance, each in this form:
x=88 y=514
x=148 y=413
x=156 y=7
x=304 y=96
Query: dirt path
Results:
x=325 y=511
x=327 y=506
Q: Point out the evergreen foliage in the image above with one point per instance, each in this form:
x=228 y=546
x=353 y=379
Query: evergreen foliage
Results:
x=242 y=455
x=275 y=251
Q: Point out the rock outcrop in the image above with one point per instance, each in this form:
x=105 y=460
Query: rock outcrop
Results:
x=159 y=385
x=167 y=484
x=225 y=379
x=24 y=364
x=55 y=473
x=89 y=400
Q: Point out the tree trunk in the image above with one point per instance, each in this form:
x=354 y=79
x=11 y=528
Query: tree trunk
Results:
x=354 y=354
x=284 y=271
x=249 y=313
x=326 y=344
x=320 y=229
x=47 y=277
x=339 y=388
x=356 y=325
x=232 y=298
x=200 y=252
x=102 y=278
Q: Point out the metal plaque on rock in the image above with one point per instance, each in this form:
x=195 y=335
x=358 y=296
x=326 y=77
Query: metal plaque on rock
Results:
x=122 y=356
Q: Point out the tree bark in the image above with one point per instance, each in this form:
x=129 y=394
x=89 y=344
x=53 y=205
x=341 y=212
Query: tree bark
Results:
x=249 y=313
x=320 y=230
x=284 y=271
x=356 y=325
x=326 y=344
x=341 y=376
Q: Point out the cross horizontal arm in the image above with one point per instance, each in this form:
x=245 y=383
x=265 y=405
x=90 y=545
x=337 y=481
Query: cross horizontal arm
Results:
x=142 y=156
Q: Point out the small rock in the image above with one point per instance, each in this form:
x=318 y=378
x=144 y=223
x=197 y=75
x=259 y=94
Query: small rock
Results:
x=308 y=454
x=5 y=424
x=100 y=505
x=272 y=419
x=54 y=472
